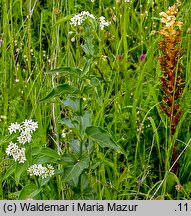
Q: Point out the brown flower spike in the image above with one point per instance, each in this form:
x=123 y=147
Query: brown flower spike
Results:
x=171 y=80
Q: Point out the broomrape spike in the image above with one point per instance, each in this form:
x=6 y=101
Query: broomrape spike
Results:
x=171 y=80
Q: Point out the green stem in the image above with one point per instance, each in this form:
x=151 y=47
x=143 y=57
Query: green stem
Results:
x=38 y=185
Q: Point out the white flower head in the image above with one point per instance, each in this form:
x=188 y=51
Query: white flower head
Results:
x=26 y=128
x=37 y=170
x=40 y=170
x=11 y=149
x=73 y=39
x=103 y=22
x=29 y=125
x=63 y=134
x=169 y=18
x=17 y=153
x=78 y=19
x=20 y=156
x=49 y=171
x=14 y=127
x=25 y=137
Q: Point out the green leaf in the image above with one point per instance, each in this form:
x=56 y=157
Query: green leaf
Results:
x=87 y=66
x=60 y=89
x=72 y=102
x=44 y=181
x=69 y=159
x=76 y=170
x=66 y=71
x=67 y=122
x=44 y=159
x=29 y=191
x=88 y=47
x=109 y=163
x=49 y=152
x=91 y=26
x=171 y=180
x=63 y=19
x=20 y=168
x=102 y=137
x=35 y=150
x=95 y=82
x=152 y=89
x=8 y=138
x=96 y=162
x=155 y=131
x=9 y=171
x=85 y=120
x=76 y=146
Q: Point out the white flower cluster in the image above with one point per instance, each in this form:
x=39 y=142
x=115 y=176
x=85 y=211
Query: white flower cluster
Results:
x=103 y=22
x=43 y=171
x=78 y=19
x=26 y=128
x=14 y=127
x=169 y=18
x=17 y=153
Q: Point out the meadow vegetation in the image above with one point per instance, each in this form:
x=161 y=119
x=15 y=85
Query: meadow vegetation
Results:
x=81 y=114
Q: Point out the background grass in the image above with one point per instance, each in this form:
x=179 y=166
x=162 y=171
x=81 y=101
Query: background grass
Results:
x=35 y=38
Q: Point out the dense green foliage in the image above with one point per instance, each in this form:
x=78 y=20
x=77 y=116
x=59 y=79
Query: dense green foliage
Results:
x=96 y=102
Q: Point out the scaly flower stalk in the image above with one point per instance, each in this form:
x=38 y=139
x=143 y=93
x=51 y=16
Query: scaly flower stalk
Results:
x=171 y=80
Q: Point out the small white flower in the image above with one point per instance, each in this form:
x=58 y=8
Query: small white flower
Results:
x=39 y=170
x=63 y=134
x=103 y=22
x=169 y=18
x=49 y=171
x=26 y=128
x=14 y=127
x=20 y=155
x=78 y=19
x=17 y=153
x=25 y=137
x=11 y=149
x=36 y=170
x=73 y=39
x=29 y=125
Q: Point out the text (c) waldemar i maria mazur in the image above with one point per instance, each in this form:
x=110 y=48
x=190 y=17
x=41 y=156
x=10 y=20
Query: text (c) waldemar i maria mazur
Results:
x=110 y=207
